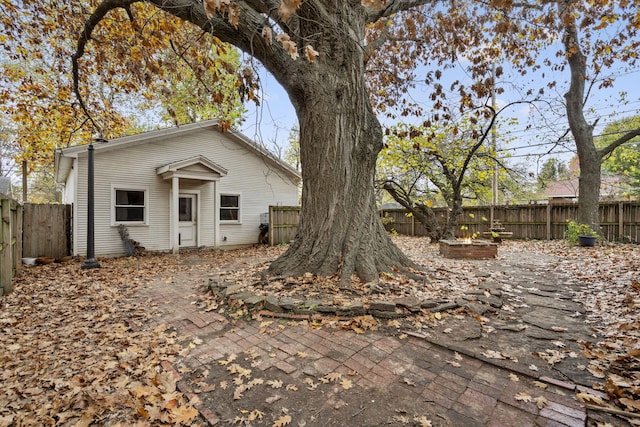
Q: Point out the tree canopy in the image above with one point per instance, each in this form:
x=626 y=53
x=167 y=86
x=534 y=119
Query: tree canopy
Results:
x=625 y=160
x=422 y=168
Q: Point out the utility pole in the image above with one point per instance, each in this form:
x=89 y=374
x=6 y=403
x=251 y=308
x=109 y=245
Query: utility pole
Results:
x=90 y=261
x=494 y=175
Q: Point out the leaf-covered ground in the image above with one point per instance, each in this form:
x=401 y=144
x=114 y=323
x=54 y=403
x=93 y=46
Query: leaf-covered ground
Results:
x=76 y=349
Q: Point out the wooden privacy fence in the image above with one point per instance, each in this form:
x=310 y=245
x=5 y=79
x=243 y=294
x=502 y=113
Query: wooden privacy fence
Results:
x=283 y=223
x=47 y=230
x=620 y=221
x=10 y=243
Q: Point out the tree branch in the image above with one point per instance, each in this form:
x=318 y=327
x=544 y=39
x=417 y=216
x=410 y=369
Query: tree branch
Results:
x=394 y=7
x=90 y=25
x=618 y=142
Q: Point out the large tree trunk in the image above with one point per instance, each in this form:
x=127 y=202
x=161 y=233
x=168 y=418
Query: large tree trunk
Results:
x=589 y=157
x=340 y=229
x=340 y=137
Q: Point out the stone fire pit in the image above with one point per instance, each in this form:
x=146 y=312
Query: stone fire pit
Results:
x=468 y=249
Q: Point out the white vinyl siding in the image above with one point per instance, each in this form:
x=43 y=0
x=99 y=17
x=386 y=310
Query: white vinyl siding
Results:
x=134 y=166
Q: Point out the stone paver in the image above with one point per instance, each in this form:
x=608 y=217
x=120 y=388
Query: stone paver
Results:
x=466 y=392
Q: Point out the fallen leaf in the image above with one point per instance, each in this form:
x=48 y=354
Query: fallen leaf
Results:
x=523 y=397
x=422 y=421
x=346 y=384
x=492 y=354
x=596 y=370
x=514 y=377
x=255 y=415
x=331 y=377
x=274 y=383
x=282 y=421
x=272 y=399
x=409 y=381
x=586 y=397
x=540 y=402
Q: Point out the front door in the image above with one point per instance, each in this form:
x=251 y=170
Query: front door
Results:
x=187 y=221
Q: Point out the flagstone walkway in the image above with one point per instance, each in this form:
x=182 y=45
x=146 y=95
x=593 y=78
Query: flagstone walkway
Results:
x=334 y=377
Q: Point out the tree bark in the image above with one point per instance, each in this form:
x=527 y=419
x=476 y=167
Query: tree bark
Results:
x=340 y=137
x=589 y=157
x=420 y=211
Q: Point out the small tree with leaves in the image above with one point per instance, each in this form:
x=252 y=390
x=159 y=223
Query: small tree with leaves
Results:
x=418 y=167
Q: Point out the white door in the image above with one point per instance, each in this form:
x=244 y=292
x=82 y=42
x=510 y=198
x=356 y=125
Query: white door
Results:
x=187 y=221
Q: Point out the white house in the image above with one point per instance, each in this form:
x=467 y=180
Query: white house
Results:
x=187 y=186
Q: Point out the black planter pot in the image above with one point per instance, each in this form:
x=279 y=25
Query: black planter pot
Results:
x=587 y=240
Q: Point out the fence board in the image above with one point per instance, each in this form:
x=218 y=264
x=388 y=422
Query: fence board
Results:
x=283 y=223
x=620 y=221
x=46 y=230
x=10 y=243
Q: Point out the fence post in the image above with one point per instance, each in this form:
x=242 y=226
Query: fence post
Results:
x=413 y=226
x=621 y=221
x=549 y=221
x=17 y=240
x=6 y=263
x=270 y=225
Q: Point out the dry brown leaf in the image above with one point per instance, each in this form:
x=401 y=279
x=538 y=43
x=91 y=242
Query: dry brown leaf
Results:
x=346 y=384
x=331 y=377
x=523 y=397
x=255 y=415
x=183 y=414
x=632 y=404
x=282 y=421
x=409 y=381
x=237 y=393
x=596 y=370
x=540 y=402
x=514 y=377
x=590 y=398
x=310 y=53
x=274 y=383
x=492 y=354
x=422 y=421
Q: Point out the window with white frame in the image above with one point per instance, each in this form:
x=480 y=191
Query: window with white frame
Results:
x=230 y=207
x=130 y=206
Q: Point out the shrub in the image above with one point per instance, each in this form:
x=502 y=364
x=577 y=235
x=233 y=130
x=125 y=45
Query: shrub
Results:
x=574 y=230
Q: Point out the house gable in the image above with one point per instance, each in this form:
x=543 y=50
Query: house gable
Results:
x=198 y=168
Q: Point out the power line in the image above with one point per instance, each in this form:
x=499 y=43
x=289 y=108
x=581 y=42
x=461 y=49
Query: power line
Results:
x=561 y=140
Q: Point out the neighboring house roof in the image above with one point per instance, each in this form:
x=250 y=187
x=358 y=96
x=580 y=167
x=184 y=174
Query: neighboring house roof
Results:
x=568 y=188
x=562 y=189
x=64 y=157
